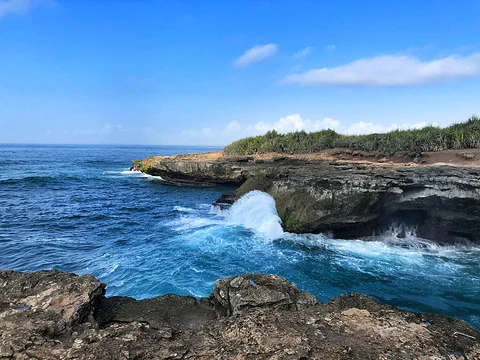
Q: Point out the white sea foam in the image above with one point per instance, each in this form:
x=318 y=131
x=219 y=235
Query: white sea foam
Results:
x=188 y=223
x=183 y=209
x=256 y=211
x=151 y=177
x=388 y=249
x=204 y=206
x=113 y=268
x=131 y=172
x=396 y=231
x=217 y=210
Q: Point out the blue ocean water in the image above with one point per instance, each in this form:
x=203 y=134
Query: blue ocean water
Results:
x=79 y=209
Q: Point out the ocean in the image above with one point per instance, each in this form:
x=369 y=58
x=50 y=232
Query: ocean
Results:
x=79 y=209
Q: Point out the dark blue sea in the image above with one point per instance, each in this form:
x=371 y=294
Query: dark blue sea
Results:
x=79 y=209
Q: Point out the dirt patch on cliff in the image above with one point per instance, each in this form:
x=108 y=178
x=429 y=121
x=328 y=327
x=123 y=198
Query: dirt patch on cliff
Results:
x=468 y=157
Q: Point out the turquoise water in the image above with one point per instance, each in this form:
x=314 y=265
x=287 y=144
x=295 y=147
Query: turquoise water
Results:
x=79 y=209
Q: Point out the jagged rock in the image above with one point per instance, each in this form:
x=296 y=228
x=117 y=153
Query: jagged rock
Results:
x=66 y=294
x=37 y=309
x=241 y=293
x=353 y=200
x=273 y=320
x=224 y=201
x=169 y=312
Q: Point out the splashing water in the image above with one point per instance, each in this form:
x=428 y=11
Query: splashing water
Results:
x=256 y=210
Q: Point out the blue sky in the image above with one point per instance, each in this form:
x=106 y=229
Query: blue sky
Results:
x=206 y=73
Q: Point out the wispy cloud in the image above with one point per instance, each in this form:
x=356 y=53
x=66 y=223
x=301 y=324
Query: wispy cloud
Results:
x=20 y=7
x=362 y=127
x=330 y=48
x=390 y=70
x=107 y=129
x=302 y=53
x=256 y=54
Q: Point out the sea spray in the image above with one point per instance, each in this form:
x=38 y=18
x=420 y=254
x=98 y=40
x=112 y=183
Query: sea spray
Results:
x=218 y=210
x=256 y=211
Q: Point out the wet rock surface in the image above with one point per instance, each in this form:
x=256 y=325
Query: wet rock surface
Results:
x=348 y=199
x=54 y=315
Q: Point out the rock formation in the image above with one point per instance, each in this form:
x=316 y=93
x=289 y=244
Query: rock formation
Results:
x=55 y=315
x=343 y=197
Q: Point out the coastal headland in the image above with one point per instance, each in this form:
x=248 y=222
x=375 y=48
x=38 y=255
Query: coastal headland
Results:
x=348 y=193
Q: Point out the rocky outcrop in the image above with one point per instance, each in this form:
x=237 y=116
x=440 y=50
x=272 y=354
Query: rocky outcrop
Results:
x=347 y=198
x=40 y=311
x=350 y=200
x=198 y=170
x=54 y=315
x=240 y=294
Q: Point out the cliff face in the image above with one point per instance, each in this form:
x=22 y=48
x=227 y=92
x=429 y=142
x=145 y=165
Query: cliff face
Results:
x=54 y=315
x=197 y=169
x=348 y=198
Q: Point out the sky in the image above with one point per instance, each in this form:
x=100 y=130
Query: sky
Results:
x=210 y=72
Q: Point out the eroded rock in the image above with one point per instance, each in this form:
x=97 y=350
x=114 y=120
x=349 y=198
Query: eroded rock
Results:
x=346 y=198
x=241 y=293
x=270 y=318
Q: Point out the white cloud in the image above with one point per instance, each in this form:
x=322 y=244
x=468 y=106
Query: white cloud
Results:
x=234 y=130
x=291 y=123
x=330 y=48
x=107 y=129
x=303 y=52
x=255 y=54
x=20 y=7
x=14 y=7
x=390 y=70
x=362 y=127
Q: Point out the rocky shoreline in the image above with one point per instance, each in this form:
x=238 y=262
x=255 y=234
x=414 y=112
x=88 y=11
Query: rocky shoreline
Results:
x=56 y=315
x=345 y=196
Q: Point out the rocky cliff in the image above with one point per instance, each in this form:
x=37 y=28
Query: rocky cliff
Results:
x=347 y=198
x=55 y=315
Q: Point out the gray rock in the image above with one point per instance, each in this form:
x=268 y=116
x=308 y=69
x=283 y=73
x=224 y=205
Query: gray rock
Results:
x=239 y=294
x=273 y=320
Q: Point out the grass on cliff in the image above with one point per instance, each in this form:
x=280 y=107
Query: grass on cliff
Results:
x=464 y=135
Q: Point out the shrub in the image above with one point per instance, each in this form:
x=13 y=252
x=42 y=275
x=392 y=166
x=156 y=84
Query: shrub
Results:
x=465 y=135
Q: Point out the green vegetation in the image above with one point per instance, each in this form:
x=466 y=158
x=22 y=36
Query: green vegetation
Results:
x=292 y=224
x=140 y=164
x=465 y=135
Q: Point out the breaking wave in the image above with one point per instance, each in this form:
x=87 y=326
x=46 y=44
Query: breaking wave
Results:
x=256 y=211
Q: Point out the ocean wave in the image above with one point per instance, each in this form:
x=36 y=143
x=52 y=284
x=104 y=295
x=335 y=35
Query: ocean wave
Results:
x=38 y=180
x=183 y=209
x=256 y=211
x=186 y=223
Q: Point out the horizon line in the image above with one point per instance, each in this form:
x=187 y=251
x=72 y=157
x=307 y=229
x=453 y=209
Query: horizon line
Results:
x=112 y=144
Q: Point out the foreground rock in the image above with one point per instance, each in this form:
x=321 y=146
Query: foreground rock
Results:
x=54 y=315
x=344 y=197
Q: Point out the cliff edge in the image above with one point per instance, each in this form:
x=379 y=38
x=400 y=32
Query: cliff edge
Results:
x=56 y=315
x=346 y=194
